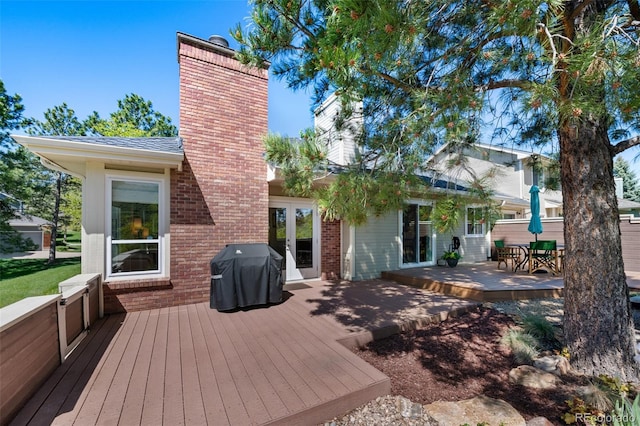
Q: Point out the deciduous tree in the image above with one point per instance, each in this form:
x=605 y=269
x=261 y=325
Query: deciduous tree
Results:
x=525 y=72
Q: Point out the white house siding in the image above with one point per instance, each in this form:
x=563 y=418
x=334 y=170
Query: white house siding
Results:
x=472 y=248
x=508 y=179
x=341 y=144
x=94 y=226
x=93 y=219
x=475 y=249
x=376 y=247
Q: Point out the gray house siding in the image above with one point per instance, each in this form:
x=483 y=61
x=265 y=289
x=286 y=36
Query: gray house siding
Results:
x=376 y=247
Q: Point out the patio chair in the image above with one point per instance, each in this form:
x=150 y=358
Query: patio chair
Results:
x=507 y=254
x=543 y=255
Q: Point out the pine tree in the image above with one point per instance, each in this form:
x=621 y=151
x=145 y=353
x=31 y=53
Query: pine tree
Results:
x=525 y=72
x=630 y=187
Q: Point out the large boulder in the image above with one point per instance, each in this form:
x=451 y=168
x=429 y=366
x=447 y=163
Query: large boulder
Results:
x=473 y=411
x=539 y=421
x=554 y=364
x=532 y=377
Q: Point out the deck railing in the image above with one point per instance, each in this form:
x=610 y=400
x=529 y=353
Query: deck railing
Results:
x=38 y=333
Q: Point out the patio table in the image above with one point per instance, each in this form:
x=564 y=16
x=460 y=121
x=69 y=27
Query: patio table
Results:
x=524 y=262
x=524 y=248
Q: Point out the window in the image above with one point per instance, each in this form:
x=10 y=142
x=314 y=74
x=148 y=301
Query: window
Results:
x=135 y=231
x=475 y=221
x=417 y=238
x=537 y=175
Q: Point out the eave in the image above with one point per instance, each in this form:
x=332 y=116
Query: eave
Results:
x=71 y=156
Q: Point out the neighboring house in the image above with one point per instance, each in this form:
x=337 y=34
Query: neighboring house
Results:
x=33 y=228
x=625 y=206
x=628 y=207
x=515 y=174
x=401 y=239
x=29 y=227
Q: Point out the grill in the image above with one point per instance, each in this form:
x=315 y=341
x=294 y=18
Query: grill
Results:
x=245 y=275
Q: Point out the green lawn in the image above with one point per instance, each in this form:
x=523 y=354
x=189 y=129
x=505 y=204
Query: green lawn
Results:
x=72 y=244
x=20 y=278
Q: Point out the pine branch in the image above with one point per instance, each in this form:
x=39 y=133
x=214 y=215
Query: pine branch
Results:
x=624 y=145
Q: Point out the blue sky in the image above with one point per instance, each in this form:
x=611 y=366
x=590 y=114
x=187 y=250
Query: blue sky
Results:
x=90 y=54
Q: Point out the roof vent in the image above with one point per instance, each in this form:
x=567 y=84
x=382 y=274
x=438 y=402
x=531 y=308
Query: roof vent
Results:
x=219 y=40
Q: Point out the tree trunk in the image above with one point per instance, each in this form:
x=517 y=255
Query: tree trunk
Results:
x=598 y=325
x=56 y=213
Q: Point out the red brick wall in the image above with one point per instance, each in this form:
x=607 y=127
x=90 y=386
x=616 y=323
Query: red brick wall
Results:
x=221 y=196
x=330 y=253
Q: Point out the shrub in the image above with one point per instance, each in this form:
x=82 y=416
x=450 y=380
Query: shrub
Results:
x=539 y=327
x=523 y=345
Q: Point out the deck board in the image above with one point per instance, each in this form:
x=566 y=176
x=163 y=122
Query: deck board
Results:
x=256 y=371
x=88 y=408
x=152 y=408
x=232 y=404
x=115 y=400
x=134 y=399
x=173 y=409
x=276 y=372
x=212 y=399
x=245 y=386
x=193 y=404
x=279 y=356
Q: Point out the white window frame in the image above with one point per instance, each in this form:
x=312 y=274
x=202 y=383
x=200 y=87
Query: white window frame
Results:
x=433 y=235
x=466 y=223
x=541 y=176
x=162 y=218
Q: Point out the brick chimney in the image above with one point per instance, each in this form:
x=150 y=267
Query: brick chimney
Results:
x=221 y=196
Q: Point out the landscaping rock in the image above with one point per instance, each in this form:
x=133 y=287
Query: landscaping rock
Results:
x=539 y=421
x=474 y=411
x=386 y=410
x=554 y=364
x=532 y=377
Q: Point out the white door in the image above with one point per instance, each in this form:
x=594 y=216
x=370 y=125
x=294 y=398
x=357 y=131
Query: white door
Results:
x=293 y=232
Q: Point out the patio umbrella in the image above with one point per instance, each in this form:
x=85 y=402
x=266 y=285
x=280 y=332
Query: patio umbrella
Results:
x=535 y=225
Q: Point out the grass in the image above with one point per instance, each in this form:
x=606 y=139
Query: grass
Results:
x=72 y=243
x=20 y=278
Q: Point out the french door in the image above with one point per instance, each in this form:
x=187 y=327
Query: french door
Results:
x=293 y=232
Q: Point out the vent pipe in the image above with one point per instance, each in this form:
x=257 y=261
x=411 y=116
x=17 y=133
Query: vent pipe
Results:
x=219 y=40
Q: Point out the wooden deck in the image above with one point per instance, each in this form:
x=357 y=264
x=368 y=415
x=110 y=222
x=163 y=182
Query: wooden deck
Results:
x=484 y=282
x=194 y=365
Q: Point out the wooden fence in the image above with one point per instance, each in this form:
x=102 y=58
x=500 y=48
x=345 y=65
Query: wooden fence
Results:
x=38 y=333
x=515 y=231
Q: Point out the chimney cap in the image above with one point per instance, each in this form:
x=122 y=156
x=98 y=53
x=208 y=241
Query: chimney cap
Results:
x=219 y=40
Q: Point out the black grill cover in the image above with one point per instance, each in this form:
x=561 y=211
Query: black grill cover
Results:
x=245 y=275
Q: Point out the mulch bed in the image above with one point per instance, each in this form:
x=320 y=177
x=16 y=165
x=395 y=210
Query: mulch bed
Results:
x=461 y=358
